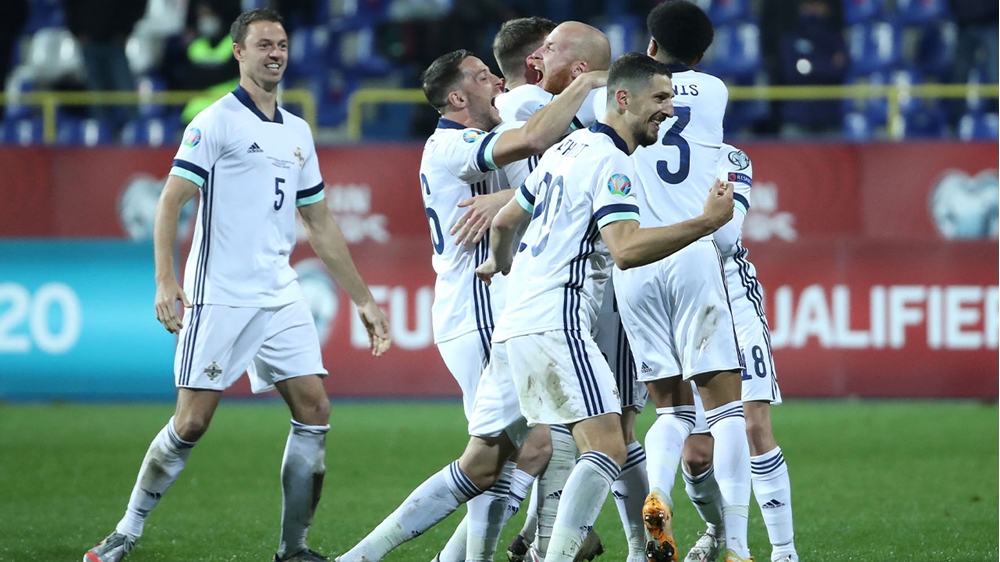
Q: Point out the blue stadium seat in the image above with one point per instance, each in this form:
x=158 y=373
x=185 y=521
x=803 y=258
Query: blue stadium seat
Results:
x=722 y=12
x=23 y=131
x=735 y=52
x=935 y=51
x=979 y=126
x=149 y=85
x=624 y=34
x=44 y=13
x=921 y=12
x=151 y=132
x=308 y=51
x=83 y=132
x=857 y=127
x=874 y=47
x=862 y=11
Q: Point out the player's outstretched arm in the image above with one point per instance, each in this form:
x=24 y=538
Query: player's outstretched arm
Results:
x=176 y=193
x=329 y=244
x=503 y=232
x=547 y=126
x=479 y=213
x=631 y=246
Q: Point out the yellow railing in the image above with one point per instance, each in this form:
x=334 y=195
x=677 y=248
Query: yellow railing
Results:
x=51 y=101
x=894 y=95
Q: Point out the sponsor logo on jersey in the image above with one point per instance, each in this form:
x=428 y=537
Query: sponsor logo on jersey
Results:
x=254 y=148
x=619 y=184
x=742 y=178
x=471 y=135
x=773 y=504
x=193 y=137
x=299 y=157
x=739 y=159
x=646 y=368
x=213 y=371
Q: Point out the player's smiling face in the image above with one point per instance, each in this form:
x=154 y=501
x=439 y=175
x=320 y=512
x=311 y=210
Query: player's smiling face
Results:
x=480 y=87
x=649 y=108
x=264 y=53
x=556 y=61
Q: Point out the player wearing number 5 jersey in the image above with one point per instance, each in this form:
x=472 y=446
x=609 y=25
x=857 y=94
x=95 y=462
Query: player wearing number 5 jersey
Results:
x=676 y=312
x=253 y=164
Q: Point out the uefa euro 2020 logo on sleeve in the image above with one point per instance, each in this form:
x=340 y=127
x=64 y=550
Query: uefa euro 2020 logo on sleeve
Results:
x=619 y=184
x=192 y=137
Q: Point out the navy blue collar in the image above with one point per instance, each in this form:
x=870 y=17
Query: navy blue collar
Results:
x=449 y=124
x=244 y=98
x=676 y=67
x=599 y=127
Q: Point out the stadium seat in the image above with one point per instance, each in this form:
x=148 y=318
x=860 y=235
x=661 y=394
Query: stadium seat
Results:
x=18 y=83
x=23 y=131
x=723 y=12
x=927 y=121
x=149 y=85
x=862 y=11
x=857 y=128
x=623 y=33
x=873 y=46
x=308 y=51
x=935 y=50
x=54 y=54
x=150 y=132
x=44 y=13
x=82 y=132
x=979 y=126
x=735 y=52
x=920 y=12
x=144 y=53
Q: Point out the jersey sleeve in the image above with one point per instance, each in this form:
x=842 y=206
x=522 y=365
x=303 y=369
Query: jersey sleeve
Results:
x=310 y=188
x=526 y=193
x=201 y=148
x=614 y=193
x=517 y=171
x=522 y=102
x=469 y=154
x=734 y=167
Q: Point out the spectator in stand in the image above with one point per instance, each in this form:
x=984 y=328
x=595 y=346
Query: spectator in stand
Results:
x=15 y=16
x=210 y=65
x=813 y=54
x=102 y=27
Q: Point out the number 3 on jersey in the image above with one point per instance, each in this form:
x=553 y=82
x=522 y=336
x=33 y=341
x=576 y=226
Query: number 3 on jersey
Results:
x=673 y=138
x=437 y=237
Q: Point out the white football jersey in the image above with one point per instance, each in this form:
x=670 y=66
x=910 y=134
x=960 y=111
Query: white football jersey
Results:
x=252 y=172
x=559 y=273
x=676 y=173
x=457 y=164
x=745 y=292
x=524 y=101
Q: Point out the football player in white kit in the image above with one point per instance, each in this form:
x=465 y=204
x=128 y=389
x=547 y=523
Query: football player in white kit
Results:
x=571 y=387
x=254 y=165
x=676 y=311
x=463 y=159
x=569 y=50
x=769 y=472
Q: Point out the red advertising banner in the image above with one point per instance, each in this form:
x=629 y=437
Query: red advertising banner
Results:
x=880 y=261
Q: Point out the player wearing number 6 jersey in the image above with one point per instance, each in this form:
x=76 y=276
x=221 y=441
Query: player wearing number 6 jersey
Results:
x=676 y=312
x=253 y=164
x=769 y=473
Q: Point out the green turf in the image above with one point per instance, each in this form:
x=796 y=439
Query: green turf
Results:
x=871 y=480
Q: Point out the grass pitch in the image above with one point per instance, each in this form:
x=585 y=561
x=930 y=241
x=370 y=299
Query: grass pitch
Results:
x=870 y=480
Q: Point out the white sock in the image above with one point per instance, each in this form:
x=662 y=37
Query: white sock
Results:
x=531 y=517
x=583 y=497
x=732 y=472
x=664 y=443
x=454 y=549
x=520 y=484
x=774 y=496
x=302 y=472
x=438 y=497
x=705 y=496
x=630 y=491
x=487 y=515
x=163 y=463
x=551 y=484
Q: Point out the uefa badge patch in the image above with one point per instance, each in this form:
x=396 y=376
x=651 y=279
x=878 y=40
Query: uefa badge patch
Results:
x=193 y=137
x=471 y=135
x=619 y=184
x=742 y=178
x=739 y=159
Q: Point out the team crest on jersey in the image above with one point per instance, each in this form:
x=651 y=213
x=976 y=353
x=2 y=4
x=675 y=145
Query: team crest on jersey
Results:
x=213 y=371
x=299 y=158
x=739 y=159
x=471 y=135
x=619 y=184
x=742 y=178
x=193 y=137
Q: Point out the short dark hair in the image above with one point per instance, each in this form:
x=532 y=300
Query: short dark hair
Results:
x=517 y=39
x=633 y=71
x=681 y=29
x=238 y=31
x=441 y=76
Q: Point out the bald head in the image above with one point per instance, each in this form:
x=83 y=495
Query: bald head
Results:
x=571 y=49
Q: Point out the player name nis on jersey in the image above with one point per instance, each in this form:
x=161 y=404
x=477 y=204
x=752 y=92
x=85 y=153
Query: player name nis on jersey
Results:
x=960 y=317
x=686 y=90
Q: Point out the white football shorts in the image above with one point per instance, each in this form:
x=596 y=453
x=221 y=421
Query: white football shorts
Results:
x=218 y=343
x=676 y=314
x=466 y=357
x=496 y=407
x=613 y=342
